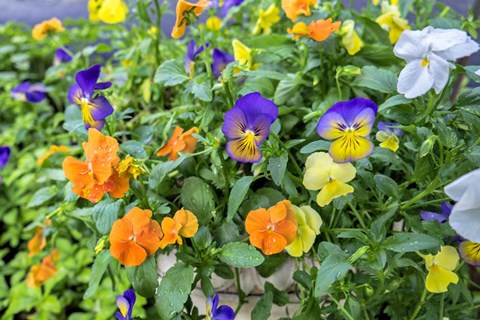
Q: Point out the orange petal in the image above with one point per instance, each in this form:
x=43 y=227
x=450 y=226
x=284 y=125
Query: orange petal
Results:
x=257 y=237
x=116 y=185
x=188 y=223
x=101 y=151
x=128 y=253
x=320 y=30
x=122 y=231
x=150 y=237
x=279 y=211
x=287 y=229
x=257 y=220
x=273 y=243
x=139 y=219
x=37 y=243
x=170 y=233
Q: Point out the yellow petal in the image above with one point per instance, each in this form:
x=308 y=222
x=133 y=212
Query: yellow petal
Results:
x=242 y=53
x=350 y=147
x=391 y=143
x=447 y=258
x=299 y=215
x=332 y=190
x=213 y=23
x=308 y=238
x=313 y=219
x=343 y=172
x=295 y=249
x=317 y=172
x=439 y=278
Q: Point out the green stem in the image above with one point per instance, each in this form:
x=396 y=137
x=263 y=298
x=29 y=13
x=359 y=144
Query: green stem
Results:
x=225 y=174
x=422 y=194
x=337 y=80
x=228 y=93
x=442 y=298
x=241 y=294
x=159 y=30
x=345 y=312
x=359 y=217
x=419 y=305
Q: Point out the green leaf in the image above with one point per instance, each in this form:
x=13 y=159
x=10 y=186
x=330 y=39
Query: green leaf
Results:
x=174 y=290
x=410 y=242
x=161 y=170
x=42 y=196
x=263 y=307
x=134 y=148
x=303 y=278
x=333 y=268
x=144 y=278
x=197 y=196
x=396 y=100
x=271 y=264
x=266 y=74
x=105 y=213
x=277 y=166
x=202 y=91
x=171 y=73
x=240 y=255
x=238 y=193
x=202 y=238
x=377 y=79
x=280 y=297
x=226 y=232
x=386 y=185
x=285 y=89
x=315 y=146
x=99 y=267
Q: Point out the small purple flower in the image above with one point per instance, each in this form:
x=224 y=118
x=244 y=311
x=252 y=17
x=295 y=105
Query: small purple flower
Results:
x=4 y=155
x=440 y=217
x=192 y=53
x=125 y=305
x=220 y=61
x=61 y=56
x=218 y=313
x=247 y=125
x=387 y=127
x=33 y=93
x=94 y=108
x=229 y=4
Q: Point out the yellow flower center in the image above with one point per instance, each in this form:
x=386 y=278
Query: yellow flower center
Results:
x=425 y=62
x=86 y=115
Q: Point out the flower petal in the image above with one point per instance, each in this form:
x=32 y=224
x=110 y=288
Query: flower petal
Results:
x=273 y=243
x=332 y=190
x=438 y=279
x=412 y=45
x=75 y=94
x=457 y=188
x=447 y=258
x=295 y=249
x=313 y=219
x=343 y=172
x=331 y=125
x=317 y=172
x=244 y=150
x=414 y=80
x=253 y=104
x=350 y=148
x=470 y=252
x=440 y=70
x=87 y=79
x=100 y=108
x=235 y=123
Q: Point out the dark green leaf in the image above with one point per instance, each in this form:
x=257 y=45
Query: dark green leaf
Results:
x=100 y=265
x=410 y=242
x=144 y=278
x=197 y=196
x=386 y=185
x=134 y=148
x=263 y=307
x=105 y=213
x=240 y=255
x=238 y=193
x=315 y=146
x=41 y=196
x=377 y=79
x=333 y=268
x=277 y=166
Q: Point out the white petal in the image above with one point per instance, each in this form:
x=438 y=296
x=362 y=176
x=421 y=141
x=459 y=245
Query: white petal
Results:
x=412 y=45
x=466 y=223
x=460 y=50
x=457 y=188
x=443 y=39
x=440 y=69
x=414 y=80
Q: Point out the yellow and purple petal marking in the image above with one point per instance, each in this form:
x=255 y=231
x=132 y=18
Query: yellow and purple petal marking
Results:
x=389 y=127
x=348 y=123
x=470 y=252
x=125 y=305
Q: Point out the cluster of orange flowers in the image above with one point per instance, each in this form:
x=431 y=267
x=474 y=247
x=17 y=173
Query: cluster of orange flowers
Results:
x=42 y=29
x=136 y=236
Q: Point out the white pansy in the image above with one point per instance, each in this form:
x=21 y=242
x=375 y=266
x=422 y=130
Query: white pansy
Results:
x=465 y=216
x=428 y=53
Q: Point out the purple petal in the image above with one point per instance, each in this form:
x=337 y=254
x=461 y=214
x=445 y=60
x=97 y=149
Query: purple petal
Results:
x=100 y=108
x=75 y=94
x=4 y=155
x=215 y=302
x=253 y=104
x=220 y=61
x=124 y=306
x=131 y=297
x=87 y=79
x=98 y=124
x=446 y=208
x=261 y=128
x=36 y=93
x=235 y=123
x=200 y=50
x=191 y=50
x=103 y=85
x=61 y=56
x=429 y=216
x=224 y=313
x=228 y=4
x=350 y=109
x=331 y=125
x=386 y=126
x=21 y=88
x=119 y=316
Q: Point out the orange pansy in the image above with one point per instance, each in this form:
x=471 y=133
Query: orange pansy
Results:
x=187 y=13
x=318 y=30
x=53 y=149
x=42 y=272
x=134 y=237
x=42 y=29
x=273 y=229
x=37 y=243
x=295 y=8
x=179 y=142
x=98 y=174
x=184 y=223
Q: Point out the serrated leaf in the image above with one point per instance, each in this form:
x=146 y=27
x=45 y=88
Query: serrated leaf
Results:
x=171 y=73
x=238 y=193
x=240 y=255
x=202 y=91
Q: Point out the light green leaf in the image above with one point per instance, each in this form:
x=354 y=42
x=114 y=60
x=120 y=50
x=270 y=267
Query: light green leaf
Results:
x=377 y=79
x=333 y=268
x=134 y=148
x=277 y=166
x=171 y=73
x=99 y=267
x=410 y=242
x=197 y=196
x=241 y=255
x=42 y=196
x=238 y=193
x=105 y=213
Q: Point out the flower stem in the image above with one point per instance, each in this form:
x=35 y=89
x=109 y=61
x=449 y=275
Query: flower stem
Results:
x=419 y=305
x=359 y=217
x=345 y=312
x=241 y=294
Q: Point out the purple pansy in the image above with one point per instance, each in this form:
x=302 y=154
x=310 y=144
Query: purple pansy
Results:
x=61 y=56
x=387 y=127
x=125 y=305
x=25 y=91
x=440 y=217
x=4 y=155
x=229 y=4
x=192 y=53
x=247 y=125
x=218 y=313
x=94 y=108
x=349 y=124
x=220 y=61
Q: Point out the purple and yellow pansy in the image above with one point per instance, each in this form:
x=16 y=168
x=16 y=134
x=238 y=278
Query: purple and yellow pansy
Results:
x=247 y=125
x=125 y=305
x=33 y=93
x=470 y=252
x=214 y=312
x=349 y=124
x=192 y=53
x=388 y=135
x=94 y=108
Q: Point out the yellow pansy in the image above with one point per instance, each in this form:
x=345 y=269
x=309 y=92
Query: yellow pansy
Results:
x=93 y=7
x=214 y=23
x=440 y=269
x=266 y=19
x=350 y=39
x=308 y=227
x=327 y=176
x=388 y=140
x=113 y=11
x=242 y=54
x=53 y=149
x=129 y=168
x=42 y=29
x=391 y=21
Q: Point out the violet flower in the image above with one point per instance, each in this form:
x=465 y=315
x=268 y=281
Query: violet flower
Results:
x=192 y=53
x=33 y=93
x=247 y=125
x=125 y=305
x=4 y=155
x=94 y=108
x=61 y=56
x=218 y=313
x=220 y=61
x=440 y=217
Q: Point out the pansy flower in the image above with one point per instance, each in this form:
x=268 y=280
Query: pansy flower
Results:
x=179 y=142
x=129 y=167
x=350 y=39
x=53 y=149
x=440 y=217
x=229 y=4
x=33 y=93
x=348 y=123
x=214 y=312
x=388 y=136
x=440 y=269
x=266 y=19
x=4 y=155
x=247 y=125
x=187 y=14
x=470 y=252
x=242 y=54
x=318 y=30
x=61 y=56
x=295 y=8
x=428 y=53
x=42 y=29
x=134 y=237
x=391 y=20
x=94 y=108
x=125 y=305
x=107 y=11
x=40 y=273
x=213 y=23
x=308 y=227
x=220 y=61
x=331 y=178
x=39 y=241
x=98 y=174
x=271 y=230
x=192 y=53
x=183 y=224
